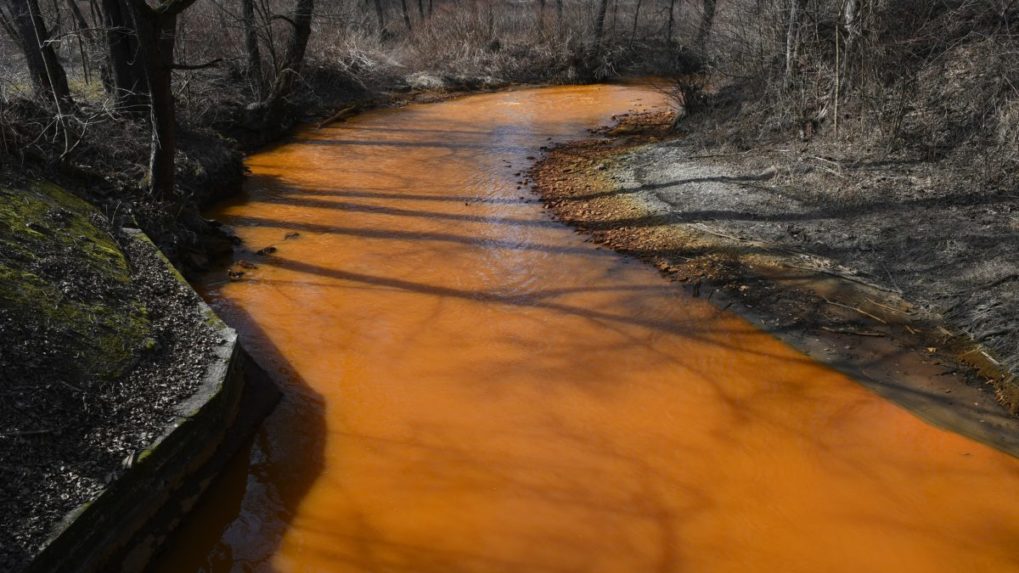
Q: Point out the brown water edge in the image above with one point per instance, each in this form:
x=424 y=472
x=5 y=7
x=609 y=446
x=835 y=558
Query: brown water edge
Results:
x=475 y=388
x=862 y=329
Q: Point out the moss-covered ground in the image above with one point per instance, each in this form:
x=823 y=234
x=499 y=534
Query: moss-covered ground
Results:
x=100 y=343
x=62 y=273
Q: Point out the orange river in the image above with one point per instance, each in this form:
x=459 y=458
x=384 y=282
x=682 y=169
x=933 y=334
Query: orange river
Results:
x=472 y=387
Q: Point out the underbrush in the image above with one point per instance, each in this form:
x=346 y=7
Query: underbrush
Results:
x=934 y=82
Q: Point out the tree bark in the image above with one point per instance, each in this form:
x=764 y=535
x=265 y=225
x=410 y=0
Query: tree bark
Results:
x=128 y=81
x=707 y=23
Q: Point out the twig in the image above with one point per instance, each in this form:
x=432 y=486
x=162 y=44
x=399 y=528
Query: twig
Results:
x=859 y=310
x=339 y=115
x=846 y=277
x=870 y=333
x=707 y=229
x=28 y=433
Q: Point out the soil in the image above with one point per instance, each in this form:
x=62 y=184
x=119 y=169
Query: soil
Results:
x=916 y=296
x=67 y=426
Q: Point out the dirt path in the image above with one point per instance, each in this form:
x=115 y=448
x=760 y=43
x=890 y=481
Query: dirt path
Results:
x=807 y=272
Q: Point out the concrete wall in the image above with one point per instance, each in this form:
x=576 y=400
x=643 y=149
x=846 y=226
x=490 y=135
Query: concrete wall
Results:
x=127 y=523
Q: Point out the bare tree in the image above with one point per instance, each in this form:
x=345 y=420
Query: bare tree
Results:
x=48 y=75
x=599 y=22
x=854 y=29
x=293 y=59
x=792 y=38
x=253 y=68
x=707 y=23
x=636 y=16
x=381 y=15
x=128 y=80
x=406 y=14
x=156 y=30
x=672 y=20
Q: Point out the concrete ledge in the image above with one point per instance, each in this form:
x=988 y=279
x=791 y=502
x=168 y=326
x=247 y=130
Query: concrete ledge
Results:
x=122 y=528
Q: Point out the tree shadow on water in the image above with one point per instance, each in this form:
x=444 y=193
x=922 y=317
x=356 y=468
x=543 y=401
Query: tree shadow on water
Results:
x=240 y=521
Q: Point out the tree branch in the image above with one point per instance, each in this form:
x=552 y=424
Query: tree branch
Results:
x=208 y=64
x=174 y=7
x=285 y=19
x=6 y=24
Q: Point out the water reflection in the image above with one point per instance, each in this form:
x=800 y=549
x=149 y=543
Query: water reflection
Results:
x=474 y=388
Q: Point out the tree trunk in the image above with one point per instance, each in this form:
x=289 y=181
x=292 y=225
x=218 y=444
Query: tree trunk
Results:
x=156 y=31
x=559 y=11
x=7 y=23
x=636 y=15
x=599 y=22
x=672 y=20
x=254 y=65
x=156 y=35
x=129 y=86
x=707 y=22
x=293 y=59
x=381 y=15
x=406 y=14
x=421 y=10
x=853 y=25
x=47 y=74
x=792 y=39
x=79 y=19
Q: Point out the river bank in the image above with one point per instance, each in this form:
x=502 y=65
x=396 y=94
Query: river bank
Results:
x=883 y=288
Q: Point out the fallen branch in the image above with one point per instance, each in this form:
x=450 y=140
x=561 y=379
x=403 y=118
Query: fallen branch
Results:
x=853 y=308
x=342 y=114
x=846 y=277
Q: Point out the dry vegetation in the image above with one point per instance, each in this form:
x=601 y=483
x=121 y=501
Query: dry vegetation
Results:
x=929 y=80
x=237 y=83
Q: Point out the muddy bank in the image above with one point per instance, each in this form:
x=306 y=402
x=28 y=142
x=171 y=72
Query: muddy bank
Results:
x=868 y=286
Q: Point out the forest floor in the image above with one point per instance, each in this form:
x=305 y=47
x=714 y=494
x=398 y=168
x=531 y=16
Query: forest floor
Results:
x=908 y=286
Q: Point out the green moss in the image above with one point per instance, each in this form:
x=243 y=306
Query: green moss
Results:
x=67 y=277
